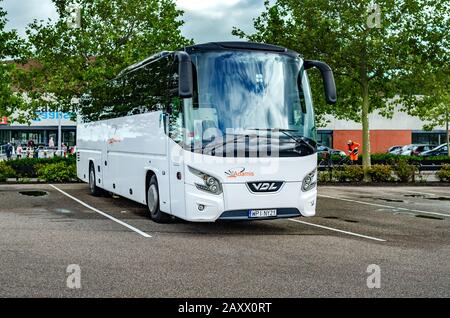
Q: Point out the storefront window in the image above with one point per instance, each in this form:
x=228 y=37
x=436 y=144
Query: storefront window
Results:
x=39 y=137
x=22 y=137
x=68 y=138
x=5 y=136
x=428 y=137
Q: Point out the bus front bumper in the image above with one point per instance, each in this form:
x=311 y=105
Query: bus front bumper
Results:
x=236 y=202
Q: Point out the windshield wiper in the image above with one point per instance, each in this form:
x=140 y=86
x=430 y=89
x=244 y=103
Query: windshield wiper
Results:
x=298 y=139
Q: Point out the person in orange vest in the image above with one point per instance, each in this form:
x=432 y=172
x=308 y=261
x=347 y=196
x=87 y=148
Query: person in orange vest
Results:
x=353 y=150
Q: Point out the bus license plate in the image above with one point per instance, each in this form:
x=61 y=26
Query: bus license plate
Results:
x=262 y=213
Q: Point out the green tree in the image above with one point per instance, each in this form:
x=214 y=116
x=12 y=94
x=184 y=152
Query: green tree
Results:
x=10 y=47
x=429 y=86
x=368 y=46
x=434 y=106
x=111 y=35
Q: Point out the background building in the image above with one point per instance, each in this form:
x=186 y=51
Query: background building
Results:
x=44 y=126
x=401 y=129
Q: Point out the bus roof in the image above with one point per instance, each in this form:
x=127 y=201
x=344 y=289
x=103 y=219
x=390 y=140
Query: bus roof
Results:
x=213 y=46
x=238 y=45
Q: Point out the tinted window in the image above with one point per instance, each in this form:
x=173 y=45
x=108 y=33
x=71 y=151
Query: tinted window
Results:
x=142 y=90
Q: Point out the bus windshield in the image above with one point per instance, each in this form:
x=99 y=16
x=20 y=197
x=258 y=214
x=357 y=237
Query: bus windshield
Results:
x=240 y=91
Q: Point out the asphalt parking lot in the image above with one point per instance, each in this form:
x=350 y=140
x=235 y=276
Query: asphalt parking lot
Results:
x=121 y=253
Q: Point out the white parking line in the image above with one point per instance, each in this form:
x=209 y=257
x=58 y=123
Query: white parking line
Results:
x=102 y=213
x=384 y=206
x=417 y=192
x=340 y=231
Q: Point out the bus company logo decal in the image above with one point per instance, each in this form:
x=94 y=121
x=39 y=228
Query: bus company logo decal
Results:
x=114 y=139
x=265 y=186
x=238 y=172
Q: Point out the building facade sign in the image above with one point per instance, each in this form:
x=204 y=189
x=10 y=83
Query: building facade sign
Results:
x=48 y=118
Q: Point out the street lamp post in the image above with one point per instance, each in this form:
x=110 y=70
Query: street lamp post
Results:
x=59 y=132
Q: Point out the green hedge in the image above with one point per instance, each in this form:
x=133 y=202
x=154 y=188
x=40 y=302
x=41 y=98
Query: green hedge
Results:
x=349 y=174
x=444 y=173
x=56 y=169
x=386 y=158
x=381 y=173
x=402 y=171
x=61 y=171
x=28 y=167
x=5 y=171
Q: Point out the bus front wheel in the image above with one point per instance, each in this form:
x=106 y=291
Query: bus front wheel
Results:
x=153 y=202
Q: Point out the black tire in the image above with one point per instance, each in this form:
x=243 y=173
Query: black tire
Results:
x=153 y=202
x=95 y=191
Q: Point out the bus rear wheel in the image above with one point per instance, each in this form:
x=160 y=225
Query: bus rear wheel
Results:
x=153 y=202
x=95 y=191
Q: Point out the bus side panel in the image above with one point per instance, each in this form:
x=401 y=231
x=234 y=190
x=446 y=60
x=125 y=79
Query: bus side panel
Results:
x=91 y=140
x=135 y=145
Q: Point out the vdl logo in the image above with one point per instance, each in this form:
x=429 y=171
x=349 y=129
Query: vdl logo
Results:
x=265 y=186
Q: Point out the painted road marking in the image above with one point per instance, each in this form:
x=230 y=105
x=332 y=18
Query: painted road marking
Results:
x=384 y=206
x=101 y=212
x=416 y=192
x=340 y=231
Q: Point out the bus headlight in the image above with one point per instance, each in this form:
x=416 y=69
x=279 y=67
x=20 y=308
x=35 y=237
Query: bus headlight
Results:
x=211 y=184
x=309 y=182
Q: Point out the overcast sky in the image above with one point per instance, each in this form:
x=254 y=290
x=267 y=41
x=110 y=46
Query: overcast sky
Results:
x=205 y=20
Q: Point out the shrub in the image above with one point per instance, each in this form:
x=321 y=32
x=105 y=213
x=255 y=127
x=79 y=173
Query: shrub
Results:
x=444 y=173
x=5 y=171
x=57 y=172
x=403 y=170
x=381 y=158
x=380 y=173
x=324 y=176
x=385 y=158
x=28 y=167
x=349 y=174
x=24 y=168
x=437 y=160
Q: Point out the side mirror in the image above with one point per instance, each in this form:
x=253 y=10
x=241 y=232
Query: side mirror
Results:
x=185 y=79
x=328 y=79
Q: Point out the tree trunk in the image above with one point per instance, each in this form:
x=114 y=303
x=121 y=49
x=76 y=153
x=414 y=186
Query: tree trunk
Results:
x=365 y=131
x=364 y=81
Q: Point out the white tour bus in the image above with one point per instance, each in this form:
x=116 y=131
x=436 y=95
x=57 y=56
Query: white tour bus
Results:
x=217 y=131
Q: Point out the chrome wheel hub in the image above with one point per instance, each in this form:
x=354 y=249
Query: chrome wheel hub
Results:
x=152 y=198
x=92 y=180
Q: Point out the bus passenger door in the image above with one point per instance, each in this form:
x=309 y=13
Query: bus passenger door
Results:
x=175 y=155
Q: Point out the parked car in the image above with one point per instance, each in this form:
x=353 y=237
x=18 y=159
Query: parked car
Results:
x=394 y=149
x=418 y=149
x=406 y=149
x=441 y=150
x=321 y=149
